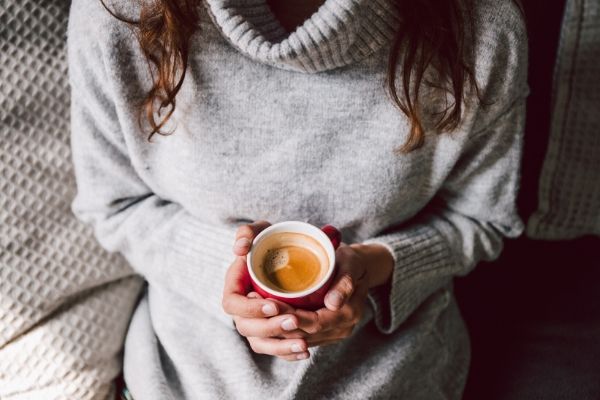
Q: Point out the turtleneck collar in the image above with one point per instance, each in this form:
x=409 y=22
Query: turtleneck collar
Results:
x=339 y=33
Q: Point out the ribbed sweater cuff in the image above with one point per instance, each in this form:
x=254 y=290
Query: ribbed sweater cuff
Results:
x=422 y=264
x=197 y=260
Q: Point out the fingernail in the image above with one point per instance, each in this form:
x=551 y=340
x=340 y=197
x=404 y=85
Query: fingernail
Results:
x=335 y=299
x=302 y=356
x=296 y=348
x=269 y=309
x=241 y=243
x=288 y=325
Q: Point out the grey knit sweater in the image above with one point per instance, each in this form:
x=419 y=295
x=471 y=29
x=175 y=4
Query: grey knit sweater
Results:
x=280 y=126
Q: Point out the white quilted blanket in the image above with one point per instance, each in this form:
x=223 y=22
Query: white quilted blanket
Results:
x=64 y=302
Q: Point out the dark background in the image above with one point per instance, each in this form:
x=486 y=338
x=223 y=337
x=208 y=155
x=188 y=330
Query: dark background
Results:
x=534 y=314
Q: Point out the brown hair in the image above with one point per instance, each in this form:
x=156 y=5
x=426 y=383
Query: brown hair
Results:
x=433 y=33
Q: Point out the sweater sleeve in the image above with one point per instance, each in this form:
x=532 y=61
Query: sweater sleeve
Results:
x=171 y=248
x=465 y=222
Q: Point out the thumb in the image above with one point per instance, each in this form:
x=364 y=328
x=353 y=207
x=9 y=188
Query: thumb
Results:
x=245 y=234
x=341 y=290
x=344 y=284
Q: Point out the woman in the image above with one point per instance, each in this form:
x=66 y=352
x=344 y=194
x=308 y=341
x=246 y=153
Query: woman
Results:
x=195 y=124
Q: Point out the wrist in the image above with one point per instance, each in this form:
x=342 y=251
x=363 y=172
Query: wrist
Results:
x=380 y=262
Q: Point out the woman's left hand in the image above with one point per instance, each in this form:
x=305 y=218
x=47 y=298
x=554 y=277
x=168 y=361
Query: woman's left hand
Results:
x=360 y=267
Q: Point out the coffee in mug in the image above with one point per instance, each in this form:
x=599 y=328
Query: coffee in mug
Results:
x=294 y=262
x=290 y=262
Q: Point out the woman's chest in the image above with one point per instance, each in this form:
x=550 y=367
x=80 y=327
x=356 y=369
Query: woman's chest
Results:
x=252 y=141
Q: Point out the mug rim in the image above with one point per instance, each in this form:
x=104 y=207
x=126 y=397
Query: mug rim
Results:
x=323 y=239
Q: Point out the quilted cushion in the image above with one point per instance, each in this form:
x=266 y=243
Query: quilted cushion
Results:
x=64 y=302
x=569 y=192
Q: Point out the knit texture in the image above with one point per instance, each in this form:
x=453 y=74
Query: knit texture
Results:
x=293 y=127
x=65 y=302
x=569 y=192
x=339 y=33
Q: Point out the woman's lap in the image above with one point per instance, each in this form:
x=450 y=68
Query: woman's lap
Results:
x=428 y=357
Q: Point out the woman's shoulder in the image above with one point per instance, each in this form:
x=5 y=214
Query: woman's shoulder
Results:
x=501 y=13
x=101 y=45
x=500 y=21
x=500 y=48
x=91 y=22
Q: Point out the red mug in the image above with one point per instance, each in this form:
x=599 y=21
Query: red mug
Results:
x=313 y=297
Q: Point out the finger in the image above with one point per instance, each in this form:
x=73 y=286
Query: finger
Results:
x=319 y=321
x=282 y=307
x=346 y=317
x=349 y=276
x=266 y=327
x=311 y=322
x=278 y=347
x=324 y=320
x=245 y=235
x=324 y=342
x=239 y=305
x=296 y=357
x=354 y=308
x=295 y=334
x=334 y=334
x=234 y=301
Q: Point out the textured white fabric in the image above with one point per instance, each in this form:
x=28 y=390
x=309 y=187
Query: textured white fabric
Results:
x=64 y=301
x=569 y=192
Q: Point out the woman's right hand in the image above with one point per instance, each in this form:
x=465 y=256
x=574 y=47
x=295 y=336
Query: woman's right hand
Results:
x=264 y=322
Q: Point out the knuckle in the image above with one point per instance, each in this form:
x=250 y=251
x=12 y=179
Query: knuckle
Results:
x=346 y=283
x=249 y=308
x=259 y=330
x=293 y=335
x=312 y=329
x=245 y=231
x=321 y=322
x=357 y=318
x=317 y=327
x=274 y=330
x=244 y=333
x=315 y=324
x=226 y=304
x=351 y=315
x=253 y=346
x=271 y=350
x=241 y=328
x=346 y=250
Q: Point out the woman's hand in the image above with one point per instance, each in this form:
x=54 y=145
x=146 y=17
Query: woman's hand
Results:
x=360 y=267
x=263 y=322
x=276 y=328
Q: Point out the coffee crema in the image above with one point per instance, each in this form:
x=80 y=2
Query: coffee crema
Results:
x=290 y=261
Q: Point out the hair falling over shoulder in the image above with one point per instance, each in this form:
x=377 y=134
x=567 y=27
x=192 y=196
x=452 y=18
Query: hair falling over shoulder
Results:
x=435 y=34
